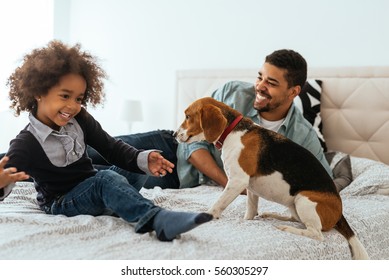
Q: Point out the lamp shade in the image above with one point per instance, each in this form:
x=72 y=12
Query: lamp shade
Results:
x=132 y=111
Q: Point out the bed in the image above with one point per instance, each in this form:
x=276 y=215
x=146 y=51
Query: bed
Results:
x=354 y=112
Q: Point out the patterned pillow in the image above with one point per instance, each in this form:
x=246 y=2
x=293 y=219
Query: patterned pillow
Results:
x=309 y=103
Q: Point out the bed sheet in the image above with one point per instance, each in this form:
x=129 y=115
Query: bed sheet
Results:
x=28 y=233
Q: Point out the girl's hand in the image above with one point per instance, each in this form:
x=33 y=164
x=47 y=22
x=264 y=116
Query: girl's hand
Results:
x=10 y=174
x=158 y=165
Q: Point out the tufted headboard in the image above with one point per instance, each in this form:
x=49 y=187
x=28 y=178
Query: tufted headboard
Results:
x=354 y=104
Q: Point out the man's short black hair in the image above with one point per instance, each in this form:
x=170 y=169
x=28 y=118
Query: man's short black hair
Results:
x=291 y=61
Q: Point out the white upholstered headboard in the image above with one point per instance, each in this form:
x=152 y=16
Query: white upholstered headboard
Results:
x=354 y=104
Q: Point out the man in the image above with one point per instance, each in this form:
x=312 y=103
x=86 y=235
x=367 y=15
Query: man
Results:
x=269 y=102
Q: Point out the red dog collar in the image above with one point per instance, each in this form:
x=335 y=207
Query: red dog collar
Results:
x=219 y=143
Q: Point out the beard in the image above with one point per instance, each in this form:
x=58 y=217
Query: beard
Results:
x=263 y=109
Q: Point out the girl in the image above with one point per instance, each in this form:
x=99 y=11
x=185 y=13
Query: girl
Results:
x=54 y=84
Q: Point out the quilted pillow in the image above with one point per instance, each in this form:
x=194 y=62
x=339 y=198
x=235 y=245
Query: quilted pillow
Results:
x=308 y=101
x=340 y=164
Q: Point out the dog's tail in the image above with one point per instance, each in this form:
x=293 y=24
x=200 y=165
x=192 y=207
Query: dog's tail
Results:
x=357 y=249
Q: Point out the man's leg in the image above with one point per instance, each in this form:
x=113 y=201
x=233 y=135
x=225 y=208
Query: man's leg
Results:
x=162 y=140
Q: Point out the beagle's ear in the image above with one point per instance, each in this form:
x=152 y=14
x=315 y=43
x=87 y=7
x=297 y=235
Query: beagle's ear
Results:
x=213 y=122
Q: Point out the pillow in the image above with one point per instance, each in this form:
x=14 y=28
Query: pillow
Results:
x=308 y=101
x=341 y=168
x=369 y=177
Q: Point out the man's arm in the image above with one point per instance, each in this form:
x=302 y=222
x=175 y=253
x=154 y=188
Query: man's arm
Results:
x=203 y=161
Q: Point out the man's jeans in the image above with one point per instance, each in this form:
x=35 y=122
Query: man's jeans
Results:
x=162 y=140
x=112 y=191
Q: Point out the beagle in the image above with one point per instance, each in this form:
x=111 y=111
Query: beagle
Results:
x=270 y=166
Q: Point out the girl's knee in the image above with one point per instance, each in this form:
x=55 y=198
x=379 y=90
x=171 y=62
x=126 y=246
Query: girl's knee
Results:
x=111 y=177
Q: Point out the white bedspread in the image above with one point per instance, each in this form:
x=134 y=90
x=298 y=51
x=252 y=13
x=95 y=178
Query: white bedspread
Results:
x=28 y=233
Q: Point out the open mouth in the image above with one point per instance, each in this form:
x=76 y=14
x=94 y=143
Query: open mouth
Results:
x=262 y=99
x=183 y=139
x=261 y=96
x=65 y=116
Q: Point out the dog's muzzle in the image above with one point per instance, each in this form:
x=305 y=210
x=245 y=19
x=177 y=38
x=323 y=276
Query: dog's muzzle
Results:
x=180 y=136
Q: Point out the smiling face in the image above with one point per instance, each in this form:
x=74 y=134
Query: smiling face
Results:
x=62 y=102
x=273 y=95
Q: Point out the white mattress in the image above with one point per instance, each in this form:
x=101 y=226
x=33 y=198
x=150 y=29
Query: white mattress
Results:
x=27 y=233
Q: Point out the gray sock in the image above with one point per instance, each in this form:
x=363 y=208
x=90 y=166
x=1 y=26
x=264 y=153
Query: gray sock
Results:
x=169 y=224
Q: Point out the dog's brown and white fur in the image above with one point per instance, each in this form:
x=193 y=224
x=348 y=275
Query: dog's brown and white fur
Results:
x=271 y=166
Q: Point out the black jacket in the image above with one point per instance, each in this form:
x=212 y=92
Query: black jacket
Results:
x=26 y=154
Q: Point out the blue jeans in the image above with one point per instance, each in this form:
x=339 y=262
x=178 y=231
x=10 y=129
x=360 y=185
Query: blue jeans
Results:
x=112 y=191
x=162 y=140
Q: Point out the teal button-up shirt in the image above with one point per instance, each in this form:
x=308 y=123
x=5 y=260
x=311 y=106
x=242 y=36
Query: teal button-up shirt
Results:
x=240 y=96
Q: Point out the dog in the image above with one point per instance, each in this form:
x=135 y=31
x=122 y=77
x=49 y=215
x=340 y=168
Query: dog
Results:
x=270 y=166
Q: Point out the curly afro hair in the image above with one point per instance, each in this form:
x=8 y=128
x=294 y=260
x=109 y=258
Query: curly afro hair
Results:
x=42 y=69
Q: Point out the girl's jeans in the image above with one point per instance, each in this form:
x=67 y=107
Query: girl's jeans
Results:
x=111 y=191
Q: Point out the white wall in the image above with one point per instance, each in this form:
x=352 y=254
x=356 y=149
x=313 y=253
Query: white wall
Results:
x=142 y=43
x=24 y=25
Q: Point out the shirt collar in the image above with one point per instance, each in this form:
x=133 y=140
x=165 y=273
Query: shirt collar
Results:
x=290 y=114
x=42 y=130
x=253 y=114
x=287 y=119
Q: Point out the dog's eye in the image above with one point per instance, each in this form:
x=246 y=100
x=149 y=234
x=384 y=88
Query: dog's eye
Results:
x=187 y=117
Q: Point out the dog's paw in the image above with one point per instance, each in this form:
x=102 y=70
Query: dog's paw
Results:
x=282 y=227
x=250 y=216
x=311 y=233
x=215 y=214
x=267 y=215
x=276 y=216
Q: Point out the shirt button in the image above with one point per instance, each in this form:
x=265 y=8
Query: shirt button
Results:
x=73 y=153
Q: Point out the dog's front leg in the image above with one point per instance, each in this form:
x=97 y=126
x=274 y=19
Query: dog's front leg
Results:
x=232 y=190
x=251 y=206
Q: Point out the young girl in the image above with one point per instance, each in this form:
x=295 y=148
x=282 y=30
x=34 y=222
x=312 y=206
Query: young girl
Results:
x=54 y=84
